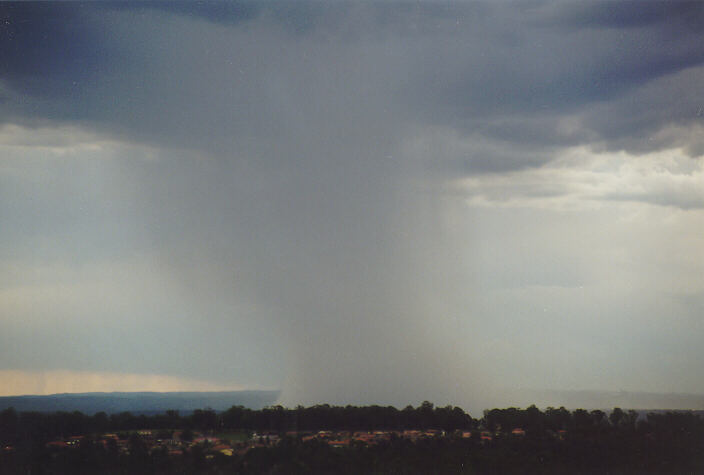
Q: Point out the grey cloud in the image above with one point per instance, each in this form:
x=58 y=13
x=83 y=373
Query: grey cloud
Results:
x=636 y=120
x=286 y=203
x=682 y=199
x=285 y=222
x=510 y=72
x=50 y=51
x=629 y=14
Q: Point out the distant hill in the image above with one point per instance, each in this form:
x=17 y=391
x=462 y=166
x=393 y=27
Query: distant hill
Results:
x=185 y=402
x=140 y=403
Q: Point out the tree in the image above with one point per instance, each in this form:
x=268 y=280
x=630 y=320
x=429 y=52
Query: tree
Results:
x=616 y=417
x=8 y=426
x=187 y=435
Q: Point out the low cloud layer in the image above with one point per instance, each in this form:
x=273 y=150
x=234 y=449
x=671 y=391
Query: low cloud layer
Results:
x=583 y=179
x=377 y=203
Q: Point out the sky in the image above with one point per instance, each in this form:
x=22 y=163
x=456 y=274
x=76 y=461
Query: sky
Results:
x=369 y=203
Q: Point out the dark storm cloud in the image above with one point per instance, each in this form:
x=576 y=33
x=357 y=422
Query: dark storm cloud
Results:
x=270 y=164
x=508 y=72
x=528 y=60
x=49 y=49
x=286 y=199
x=295 y=17
x=639 y=121
x=528 y=71
x=218 y=12
x=631 y=14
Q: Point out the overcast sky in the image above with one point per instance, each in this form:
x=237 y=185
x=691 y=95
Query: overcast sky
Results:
x=382 y=202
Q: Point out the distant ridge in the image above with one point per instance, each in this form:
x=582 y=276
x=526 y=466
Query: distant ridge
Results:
x=186 y=402
x=140 y=402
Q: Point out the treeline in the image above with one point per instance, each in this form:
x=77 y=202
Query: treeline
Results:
x=550 y=441
x=596 y=423
x=326 y=417
x=15 y=427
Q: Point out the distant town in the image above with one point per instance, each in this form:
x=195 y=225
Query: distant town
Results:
x=175 y=443
x=352 y=439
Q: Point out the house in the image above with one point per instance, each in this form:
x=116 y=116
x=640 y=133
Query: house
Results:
x=265 y=438
x=57 y=444
x=75 y=440
x=339 y=443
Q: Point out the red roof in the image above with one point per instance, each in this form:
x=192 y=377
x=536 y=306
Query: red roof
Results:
x=339 y=442
x=57 y=443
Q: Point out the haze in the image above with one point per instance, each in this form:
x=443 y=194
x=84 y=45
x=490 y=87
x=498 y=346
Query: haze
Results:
x=376 y=203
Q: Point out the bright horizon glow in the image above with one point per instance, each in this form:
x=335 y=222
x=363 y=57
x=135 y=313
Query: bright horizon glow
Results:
x=43 y=383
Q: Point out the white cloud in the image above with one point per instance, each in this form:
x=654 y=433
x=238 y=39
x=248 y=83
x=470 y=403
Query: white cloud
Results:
x=581 y=179
x=65 y=141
